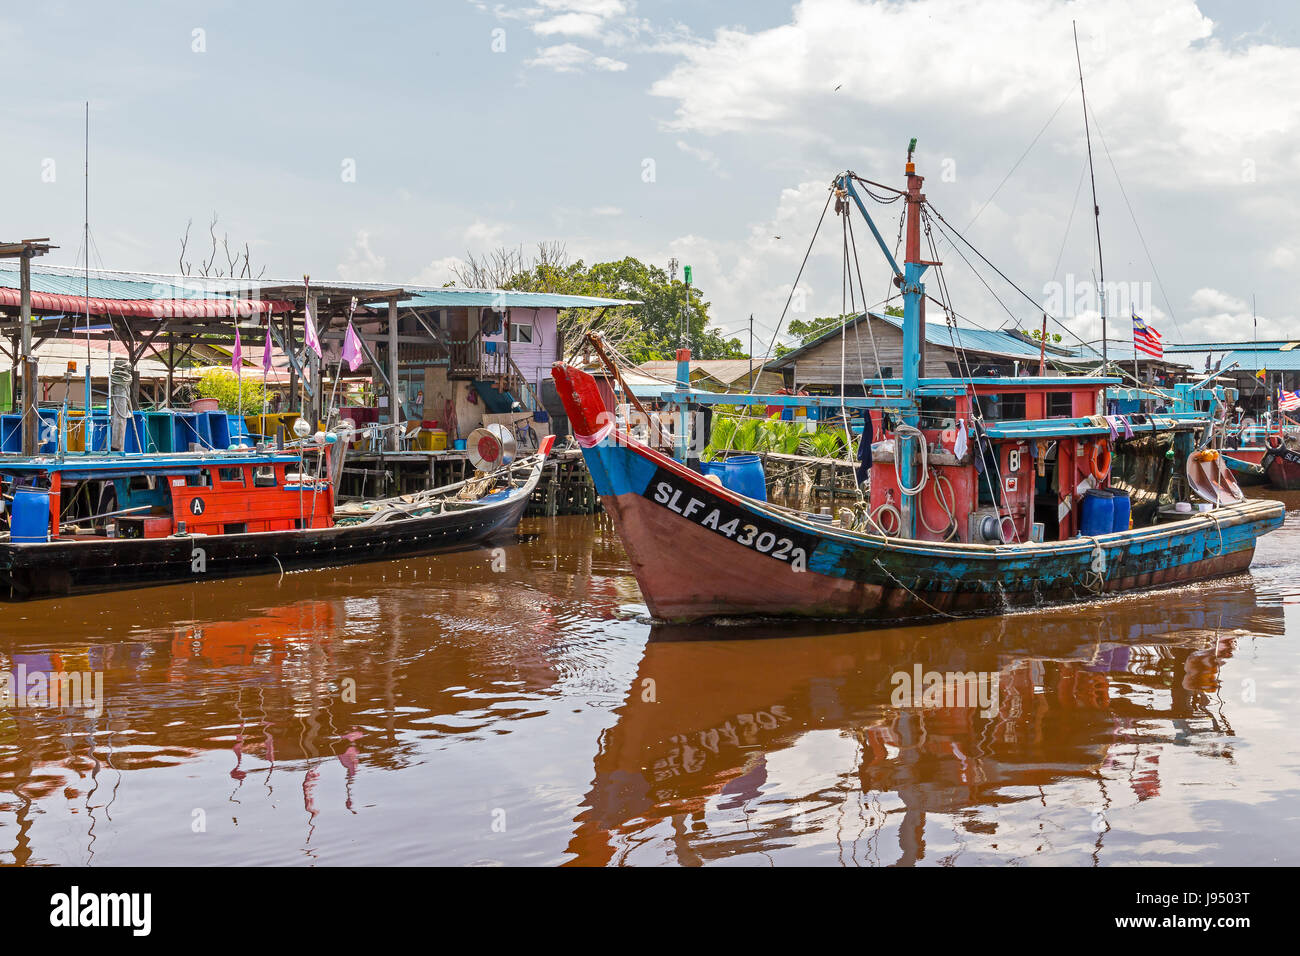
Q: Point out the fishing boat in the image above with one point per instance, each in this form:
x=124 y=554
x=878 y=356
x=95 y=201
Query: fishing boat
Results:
x=1282 y=466
x=105 y=522
x=1248 y=473
x=986 y=494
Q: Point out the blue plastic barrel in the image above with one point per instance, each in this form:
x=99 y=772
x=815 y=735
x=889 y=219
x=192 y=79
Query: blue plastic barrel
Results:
x=743 y=474
x=1097 y=514
x=1123 y=508
x=718 y=468
x=31 y=517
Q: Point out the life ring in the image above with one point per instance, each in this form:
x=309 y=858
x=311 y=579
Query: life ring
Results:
x=1275 y=442
x=1101 y=459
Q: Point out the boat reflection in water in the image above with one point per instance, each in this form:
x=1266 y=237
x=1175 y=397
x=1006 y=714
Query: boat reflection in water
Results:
x=825 y=750
x=393 y=712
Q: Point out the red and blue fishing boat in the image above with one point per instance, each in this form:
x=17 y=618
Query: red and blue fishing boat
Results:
x=986 y=494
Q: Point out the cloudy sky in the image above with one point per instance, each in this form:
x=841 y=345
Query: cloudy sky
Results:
x=382 y=140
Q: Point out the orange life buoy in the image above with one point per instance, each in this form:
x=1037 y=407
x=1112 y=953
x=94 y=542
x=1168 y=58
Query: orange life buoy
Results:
x=1101 y=459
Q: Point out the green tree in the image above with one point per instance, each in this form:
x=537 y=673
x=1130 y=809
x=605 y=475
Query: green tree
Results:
x=643 y=332
x=225 y=386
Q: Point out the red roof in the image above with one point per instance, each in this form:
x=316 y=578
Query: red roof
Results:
x=149 y=308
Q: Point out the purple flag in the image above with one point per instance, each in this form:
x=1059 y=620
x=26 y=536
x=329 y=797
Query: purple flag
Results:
x=266 y=349
x=351 y=348
x=237 y=356
x=309 y=330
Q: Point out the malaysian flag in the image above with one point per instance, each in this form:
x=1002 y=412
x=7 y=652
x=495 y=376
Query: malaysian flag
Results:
x=1146 y=338
x=1288 y=401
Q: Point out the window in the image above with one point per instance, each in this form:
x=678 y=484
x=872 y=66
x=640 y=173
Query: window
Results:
x=521 y=332
x=938 y=412
x=231 y=475
x=1060 y=405
x=241 y=528
x=264 y=476
x=1002 y=408
x=202 y=480
x=140 y=483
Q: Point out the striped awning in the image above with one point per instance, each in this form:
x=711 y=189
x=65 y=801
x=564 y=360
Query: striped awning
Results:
x=206 y=308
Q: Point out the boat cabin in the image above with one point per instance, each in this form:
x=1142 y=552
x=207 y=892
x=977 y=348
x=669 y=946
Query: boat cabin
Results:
x=1011 y=460
x=156 y=496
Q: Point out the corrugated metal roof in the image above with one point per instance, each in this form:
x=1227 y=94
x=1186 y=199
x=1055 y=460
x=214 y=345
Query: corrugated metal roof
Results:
x=1000 y=342
x=1273 y=361
x=107 y=284
x=504 y=298
x=57 y=280
x=1270 y=344
x=725 y=371
x=1118 y=351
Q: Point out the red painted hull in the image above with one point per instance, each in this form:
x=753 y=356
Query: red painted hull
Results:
x=1283 y=470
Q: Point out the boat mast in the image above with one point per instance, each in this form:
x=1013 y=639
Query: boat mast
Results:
x=913 y=345
x=1096 y=210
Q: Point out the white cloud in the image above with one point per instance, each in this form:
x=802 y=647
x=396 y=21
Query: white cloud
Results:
x=596 y=8
x=571 y=24
x=703 y=155
x=952 y=59
x=1222 y=317
x=361 y=263
x=571 y=58
x=482 y=235
x=439 y=271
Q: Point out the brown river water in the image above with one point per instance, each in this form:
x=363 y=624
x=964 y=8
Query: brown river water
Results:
x=515 y=707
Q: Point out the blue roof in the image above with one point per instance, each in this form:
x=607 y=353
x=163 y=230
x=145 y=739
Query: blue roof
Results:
x=1004 y=342
x=1270 y=359
x=1264 y=345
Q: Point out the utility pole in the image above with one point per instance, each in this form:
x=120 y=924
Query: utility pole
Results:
x=672 y=279
x=686 y=310
x=751 y=351
x=31 y=423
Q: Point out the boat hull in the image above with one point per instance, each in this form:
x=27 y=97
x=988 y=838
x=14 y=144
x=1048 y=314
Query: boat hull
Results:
x=1282 y=465
x=700 y=551
x=1248 y=473
x=30 y=571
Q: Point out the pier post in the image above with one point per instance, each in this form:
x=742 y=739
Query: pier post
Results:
x=394 y=400
x=30 y=424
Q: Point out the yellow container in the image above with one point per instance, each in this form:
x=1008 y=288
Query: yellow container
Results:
x=266 y=424
x=74 y=430
x=434 y=439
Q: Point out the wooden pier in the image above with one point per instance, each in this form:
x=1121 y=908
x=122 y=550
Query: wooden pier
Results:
x=566 y=488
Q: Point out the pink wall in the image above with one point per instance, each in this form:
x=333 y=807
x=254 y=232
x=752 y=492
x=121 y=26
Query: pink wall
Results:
x=534 y=359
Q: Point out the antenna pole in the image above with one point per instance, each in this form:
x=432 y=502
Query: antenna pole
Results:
x=1096 y=210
